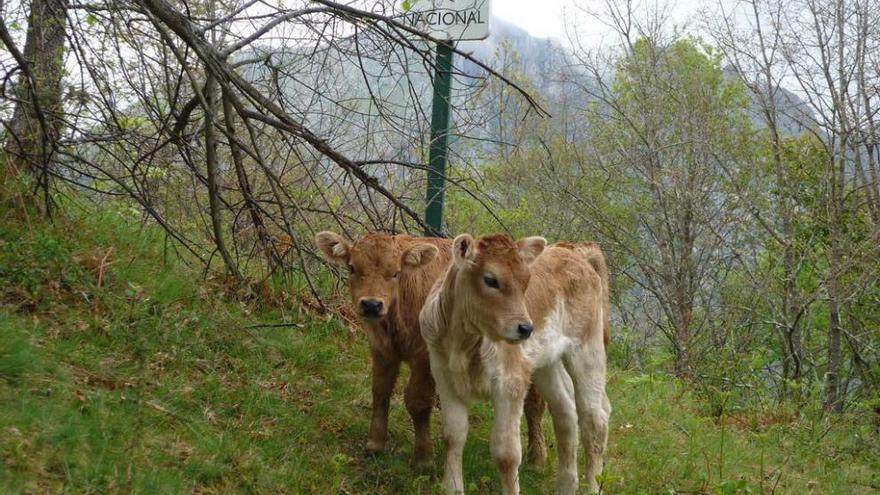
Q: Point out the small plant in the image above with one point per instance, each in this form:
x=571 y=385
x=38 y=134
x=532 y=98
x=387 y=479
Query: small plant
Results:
x=17 y=356
x=734 y=487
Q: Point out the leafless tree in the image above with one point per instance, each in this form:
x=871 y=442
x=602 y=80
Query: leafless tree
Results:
x=825 y=49
x=242 y=127
x=647 y=180
x=752 y=43
x=809 y=63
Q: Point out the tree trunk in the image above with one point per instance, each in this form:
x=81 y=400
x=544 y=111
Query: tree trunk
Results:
x=213 y=190
x=833 y=399
x=683 y=337
x=36 y=120
x=253 y=208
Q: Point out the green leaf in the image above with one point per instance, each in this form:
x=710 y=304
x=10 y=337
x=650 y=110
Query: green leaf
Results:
x=406 y=5
x=91 y=19
x=14 y=25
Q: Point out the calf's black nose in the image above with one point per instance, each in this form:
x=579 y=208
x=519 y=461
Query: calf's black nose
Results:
x=371 y=307
x=525 y=330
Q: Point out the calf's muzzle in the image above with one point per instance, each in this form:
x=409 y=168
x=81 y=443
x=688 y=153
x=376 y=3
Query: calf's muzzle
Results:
x=371 y=308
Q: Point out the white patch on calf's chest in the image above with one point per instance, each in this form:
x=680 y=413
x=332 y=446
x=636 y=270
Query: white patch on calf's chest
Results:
x=549 y=341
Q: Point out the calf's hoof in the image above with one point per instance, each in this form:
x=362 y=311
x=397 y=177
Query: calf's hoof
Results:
x=566 y=484
x=453 y=488
x=423 y=466
x=423 y=459
x=373 y=447
x=536 y=457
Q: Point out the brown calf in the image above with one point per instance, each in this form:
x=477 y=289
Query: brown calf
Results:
x=509 y=314
x=390 y=277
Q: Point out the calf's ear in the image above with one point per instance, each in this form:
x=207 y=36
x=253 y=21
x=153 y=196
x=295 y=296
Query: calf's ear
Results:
x=464 y=250
x=531 y=247
x=419 y=255
x=334 y=246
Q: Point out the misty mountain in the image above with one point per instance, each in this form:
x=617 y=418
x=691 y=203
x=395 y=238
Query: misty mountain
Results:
x=540 y=58
x=368 y=100
x=361 y=86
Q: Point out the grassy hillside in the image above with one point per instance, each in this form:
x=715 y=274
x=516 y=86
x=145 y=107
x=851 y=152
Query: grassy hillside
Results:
x=128 y=372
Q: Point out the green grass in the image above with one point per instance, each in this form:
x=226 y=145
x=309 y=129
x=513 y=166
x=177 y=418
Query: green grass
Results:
x=150 y=383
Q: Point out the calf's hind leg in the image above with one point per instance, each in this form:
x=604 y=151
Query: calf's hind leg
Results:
x=536 y=453
x=556 y=386
x=587 y=370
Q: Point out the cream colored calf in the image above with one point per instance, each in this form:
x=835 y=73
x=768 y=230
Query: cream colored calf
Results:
x=510 y=313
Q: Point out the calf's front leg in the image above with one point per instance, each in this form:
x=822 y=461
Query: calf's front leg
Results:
x=419 y=399
x=385 y=371
x=454 y=416
x=507 y=402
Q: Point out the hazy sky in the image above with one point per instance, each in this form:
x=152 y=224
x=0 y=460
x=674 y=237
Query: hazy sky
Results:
x=549 y=18
x=541 y=18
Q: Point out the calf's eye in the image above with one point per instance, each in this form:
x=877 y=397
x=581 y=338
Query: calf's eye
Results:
x=490 y=281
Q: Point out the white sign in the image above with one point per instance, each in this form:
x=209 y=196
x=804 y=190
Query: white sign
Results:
x=455 y=20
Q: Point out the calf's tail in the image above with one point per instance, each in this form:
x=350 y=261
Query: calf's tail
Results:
x=594 y=256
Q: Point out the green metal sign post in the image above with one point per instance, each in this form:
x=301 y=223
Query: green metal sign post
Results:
x=439 y=140
x=447 y=20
